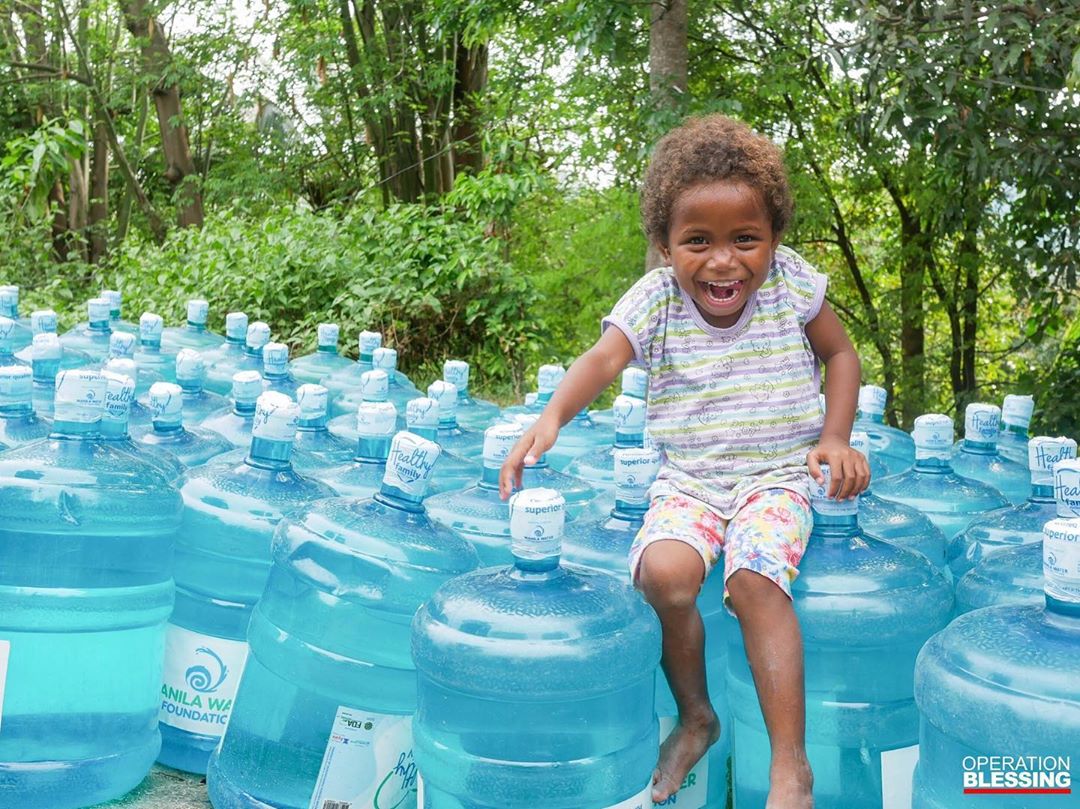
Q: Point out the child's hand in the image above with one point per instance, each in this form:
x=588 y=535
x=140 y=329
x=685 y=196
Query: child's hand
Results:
x=537 y=440
x=850 y=469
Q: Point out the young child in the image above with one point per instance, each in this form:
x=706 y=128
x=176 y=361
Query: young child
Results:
x=731 y=332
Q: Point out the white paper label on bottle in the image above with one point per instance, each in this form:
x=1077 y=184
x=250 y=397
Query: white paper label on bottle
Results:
x=368 y=763
x=897 y=769
x=694 y=792
x=201 y=675
x=642 y=800
x=5 y=652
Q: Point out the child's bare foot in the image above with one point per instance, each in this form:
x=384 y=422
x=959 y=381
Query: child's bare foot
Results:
x=680 y=751
x=791 y=785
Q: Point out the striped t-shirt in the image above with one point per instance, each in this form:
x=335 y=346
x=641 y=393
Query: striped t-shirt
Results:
x=734 y=410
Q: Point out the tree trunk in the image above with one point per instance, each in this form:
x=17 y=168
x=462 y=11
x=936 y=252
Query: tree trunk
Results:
x=123 y=215
x=912 y=321
x=470 y=79
x=99 y=193
x=970 y=261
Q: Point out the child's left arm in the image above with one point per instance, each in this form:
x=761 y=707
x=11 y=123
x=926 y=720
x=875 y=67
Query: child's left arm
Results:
x=850 y=470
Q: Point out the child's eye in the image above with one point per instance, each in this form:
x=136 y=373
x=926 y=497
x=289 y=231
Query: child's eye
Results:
x=696 y=240
x=744 y=238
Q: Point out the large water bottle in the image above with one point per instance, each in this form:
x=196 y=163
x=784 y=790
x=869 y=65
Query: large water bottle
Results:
x=399 y=389
x=598 y=467
x=222 y=362
x=194 y=333
x=19 y=424
x=222 y=560
x=313 y=438
x=634 y=383
x=47 y=353
x=579 y=495
x=349 y=378
x=192 y=446
x=895 y=522
x=325 y=360
x=536 y=680
x=1020 y=524
x=86 y=545
x=119 y=396
x=116 y=322
x=21 y=333
x=895 y=447
x=43 y=321
x=276 y=374
x=865 y=608
x=452 y=436
x=452 y=472
x=140 y=417
x=333 y=623
x=977 y=457
x=376 y=423
x=472 y=413
x=91 y=337
x=197 y=402
x=931 y=486
x=1007 y=574
x=1000 y=683
x=547 y=380
x=258 y=335
x=233 y=422
x=1016 y=414
x=9 y=343
x=373 y=387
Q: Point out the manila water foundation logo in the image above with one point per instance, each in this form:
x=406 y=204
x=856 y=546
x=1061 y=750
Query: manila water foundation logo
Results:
x=1017 y=775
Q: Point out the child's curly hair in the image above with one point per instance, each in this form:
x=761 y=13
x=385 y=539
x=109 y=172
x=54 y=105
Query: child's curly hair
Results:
x=709 y=148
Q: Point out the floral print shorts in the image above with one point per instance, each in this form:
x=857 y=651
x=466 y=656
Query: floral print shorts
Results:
x=767 y=535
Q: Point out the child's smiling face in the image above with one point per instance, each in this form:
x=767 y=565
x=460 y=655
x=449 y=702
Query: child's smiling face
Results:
x=721 y=245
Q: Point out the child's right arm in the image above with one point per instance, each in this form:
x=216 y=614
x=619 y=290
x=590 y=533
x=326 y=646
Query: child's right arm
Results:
x=587 y=377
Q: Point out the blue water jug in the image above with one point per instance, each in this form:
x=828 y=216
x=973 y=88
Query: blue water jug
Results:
x=895 y=522
x=119 y=397
x=452 y=472
x=196 y=402
x=47 y=353
x=399 y=390
x=598 y=466
x=931 y=486
x=20 y=332
x=193 y=334
x=91 y=337
x=865 y=608
x=472 y=413
x=155 y=364
x=9 y=343
x=535 y=682
x=116 y=321
x=19 y=424
x=1017 y=525
x=976 y=456
x=86 y=547
x=894 y=447
x=373 y=386
x=579 y=495
x=43 y=321
x=547 y=380
x=333 y=623
x=222 y=560
x=222 y=362
x=347 y=379
x=312 y=436
x=276 y=374
x=192 y=446
x=258 y=335
x=1016 y=414
x=998 y=703
x=634 y=383
x=452 y=436
x=233 y=422
x=1012 y=576
x=325 y=360
x=376 y=423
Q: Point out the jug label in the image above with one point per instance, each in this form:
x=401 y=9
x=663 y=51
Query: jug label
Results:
x=200 y=679
x=368 y=763
x=694 y=792
x=643 y=800
x=5 y=650
x=897 y=770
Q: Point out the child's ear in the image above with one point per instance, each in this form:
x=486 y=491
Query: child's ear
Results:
x=664 y=252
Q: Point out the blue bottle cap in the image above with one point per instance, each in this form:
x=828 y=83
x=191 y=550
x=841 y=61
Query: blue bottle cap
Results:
x=369 y=341
x=1067 y=488
x=236 y=324
x=456 y=372
x=46 y=346
x=43 y=321
x=933 y=436
x=635 y=471
x=422 y=412
x=312 y=400
x=258 y=335
x=166 y=403
x=376 y=419
x=189 y=364
x=1061 y=559
x=499 y=439
x=97 y=310
x=982 y=423
x=276 y=417
x=1043 y=452
x=872 y=400
x=119 y=394
x=384 y=359
x=825 y=505
x=549 y=377
x=121 y=345
x=409 y=465
x=150 y=326
x=16 y=385
x=635 y=382
x=275 y=358
x=80 y=396
x=246 y=386
x=629 y=414
x=374 y=386
x=537 y=517
x=445 y=393
x=1016 y=410
x=328 y=334
x=197 y=311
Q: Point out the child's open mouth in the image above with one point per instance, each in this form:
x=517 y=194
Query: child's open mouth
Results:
x=721 y=293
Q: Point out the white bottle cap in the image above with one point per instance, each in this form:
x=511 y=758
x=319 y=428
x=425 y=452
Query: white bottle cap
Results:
x=97 y=310
x=982 y=422
x=872 y=400
x=369 y=341
x=635 y=382
x=822 y=503
x=46 y=346
x=445 y=393
x=328 y=334
x=150 y=327
x=236 y=324
x=537 y=517
x=246 y=386
x=7 y=329
x=276 y=417
x=1067 y=488
x=43 y=321
x=1043 y=452
x=16 y=385
x=629 y=414
x=531 y=397
x=635 y=471
x=258 y=335
x=499 y=439
x=422 y=412
x=1061 y=559
x=123 y=366
x=119 y=394
x=197 y=310
x=549 y=377
x=376 y=419
x=860 y=441
x=374 y=386
x=456 y=372
x=189 y=364
x=933 y=436
x=1017 y=410
x=275 y=359
x=80 y=396
x=409 y=465
x=312 y=400
x=121 y=345
x=384 y=358
x=9 y=297
x=166 y=402
x=113 y=298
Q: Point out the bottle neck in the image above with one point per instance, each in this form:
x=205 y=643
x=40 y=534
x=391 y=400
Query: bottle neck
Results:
x=876 y=418
x=171 y=428
x=544 y=565
x=315 y=425
x=836 y=526
x=9 y=311
x=544 y=397
x=626 y=510
x=448 y=423
x=328 y=350
x=16 y=410
x=1064 y=614
x=253 y=352
x=270 y=454
x=1042 y=492
x=197 y=328
x=245 y=409
x=939 y=466
x=45 y=371
x=373 y=448
x=393 y=497
x=364 y=359
x=430 y=433
x=979 y=447
x=629 y=440
x=234 y=341
x=489 y=477
x=75 y=429
x=1014 y=429
x=100 y=326
x=114 y=429
x=190 y=387
x=150 y=346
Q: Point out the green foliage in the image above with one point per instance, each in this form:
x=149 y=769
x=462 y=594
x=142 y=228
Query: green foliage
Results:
x=34 y=161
